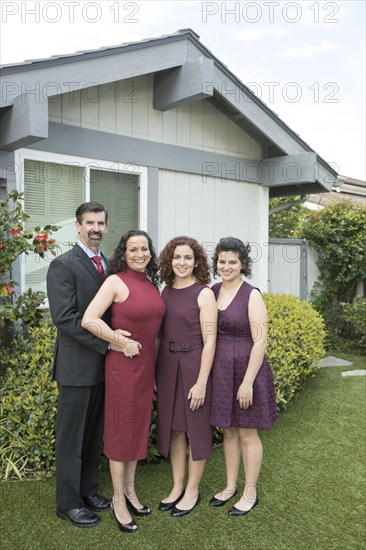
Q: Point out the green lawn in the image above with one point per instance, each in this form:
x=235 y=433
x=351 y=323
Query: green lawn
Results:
x=311 y=488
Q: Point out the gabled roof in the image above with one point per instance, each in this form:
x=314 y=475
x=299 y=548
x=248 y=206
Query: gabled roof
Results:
x=176 y=59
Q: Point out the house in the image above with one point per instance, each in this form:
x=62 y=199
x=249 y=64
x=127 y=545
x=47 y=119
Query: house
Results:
x=160 y=132
x=350 y=189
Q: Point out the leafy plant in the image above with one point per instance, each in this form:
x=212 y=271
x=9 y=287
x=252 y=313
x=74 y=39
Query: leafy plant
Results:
x=338 y=234
x=296 y=337
x=28 y=405
x=14 y=241
x=287 y=223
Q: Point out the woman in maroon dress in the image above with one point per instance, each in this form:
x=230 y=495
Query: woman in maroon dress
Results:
x=136 y=306
x=184 y=363
x=243 y=394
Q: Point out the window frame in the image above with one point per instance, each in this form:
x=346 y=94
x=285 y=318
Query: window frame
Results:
x=87 y=164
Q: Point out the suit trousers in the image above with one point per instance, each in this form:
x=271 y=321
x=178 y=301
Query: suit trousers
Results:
x=79 y=436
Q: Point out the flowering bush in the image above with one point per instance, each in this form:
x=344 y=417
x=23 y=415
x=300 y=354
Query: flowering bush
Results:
x=14 y=241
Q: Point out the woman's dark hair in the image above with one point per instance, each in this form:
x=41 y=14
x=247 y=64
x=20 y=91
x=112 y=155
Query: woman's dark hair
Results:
x=201 y=273
x=232 y=244
x=118 y=262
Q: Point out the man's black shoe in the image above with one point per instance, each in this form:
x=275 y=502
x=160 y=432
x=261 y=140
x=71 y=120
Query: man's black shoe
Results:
x=97 y=503
x=81 y=517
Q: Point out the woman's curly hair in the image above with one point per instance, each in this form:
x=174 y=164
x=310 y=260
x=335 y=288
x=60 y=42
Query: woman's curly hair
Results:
x=232 y=244
x=201 y=272
x=118 y=263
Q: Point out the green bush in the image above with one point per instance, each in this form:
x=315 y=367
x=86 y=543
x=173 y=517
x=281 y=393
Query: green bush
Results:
x=353 y=329
x=296 y=337
x=28 y=405
x=28 y=394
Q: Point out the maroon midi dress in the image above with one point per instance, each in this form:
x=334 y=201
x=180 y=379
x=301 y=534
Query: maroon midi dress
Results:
x=129 y=383
x=233 y=347
x=177 y=370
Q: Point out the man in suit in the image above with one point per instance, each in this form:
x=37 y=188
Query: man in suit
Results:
x=73 y=279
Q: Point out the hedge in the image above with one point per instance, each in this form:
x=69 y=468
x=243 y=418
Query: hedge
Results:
x=28 y=394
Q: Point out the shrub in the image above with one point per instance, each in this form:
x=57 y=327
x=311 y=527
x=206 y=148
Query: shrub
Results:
x=14 y=241
x=28 y=405
x=353 y=329
x=296 y=337
x=28 y=394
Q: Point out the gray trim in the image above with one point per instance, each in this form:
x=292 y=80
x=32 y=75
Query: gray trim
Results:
x=283 y=240
x=71 y=140
x=84 y=73
x=160 y=54
x=23 y=123
x=183 y=85
x=153 y=204
x=304 y=287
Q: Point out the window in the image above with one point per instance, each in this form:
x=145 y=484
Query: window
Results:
x=54 y=186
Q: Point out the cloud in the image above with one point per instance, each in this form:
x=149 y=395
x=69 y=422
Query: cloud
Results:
x=308 y=51
x=257 y=34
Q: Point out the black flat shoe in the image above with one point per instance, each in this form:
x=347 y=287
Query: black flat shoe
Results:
x=217 y=502
x=177 y=513
x=144 y=511
x=165 y=506
x=81 y=517
x=125 y=527
x=97 y=503
x=236 y=512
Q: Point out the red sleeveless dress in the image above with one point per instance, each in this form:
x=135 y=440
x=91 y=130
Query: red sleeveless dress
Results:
x=129 y=382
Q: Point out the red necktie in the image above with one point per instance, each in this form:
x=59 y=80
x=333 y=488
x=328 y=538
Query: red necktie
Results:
x=98 y=263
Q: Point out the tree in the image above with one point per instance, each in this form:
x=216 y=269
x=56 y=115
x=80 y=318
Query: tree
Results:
x=286 y=223
x=338 y=234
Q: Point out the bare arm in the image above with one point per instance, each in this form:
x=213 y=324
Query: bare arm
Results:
x=257 y=314
x=112 y=290
x=208 y=320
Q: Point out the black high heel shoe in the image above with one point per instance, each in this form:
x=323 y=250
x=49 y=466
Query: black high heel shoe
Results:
x=236 y=512
x=125 y=527
x=165 y=506
x=144 y=511
x=218 y=502
x=177 y=513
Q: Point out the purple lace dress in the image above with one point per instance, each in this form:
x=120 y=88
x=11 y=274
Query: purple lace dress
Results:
x=234 y=344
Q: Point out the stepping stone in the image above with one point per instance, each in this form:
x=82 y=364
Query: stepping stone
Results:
x=331 y=361
x=354 y=373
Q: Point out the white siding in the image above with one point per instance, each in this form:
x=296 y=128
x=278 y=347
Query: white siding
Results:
x=213 y=209
x=126 y=108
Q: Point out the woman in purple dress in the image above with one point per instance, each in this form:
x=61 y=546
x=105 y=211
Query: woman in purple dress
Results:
x=243 y=394
x=186 y=353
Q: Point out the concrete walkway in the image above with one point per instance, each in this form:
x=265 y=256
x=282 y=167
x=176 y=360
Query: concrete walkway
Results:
x=331 y=361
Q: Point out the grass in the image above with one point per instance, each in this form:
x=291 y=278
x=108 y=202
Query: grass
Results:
x=311 y=488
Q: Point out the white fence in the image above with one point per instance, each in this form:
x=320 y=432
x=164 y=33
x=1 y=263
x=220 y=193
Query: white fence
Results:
x=292 y=267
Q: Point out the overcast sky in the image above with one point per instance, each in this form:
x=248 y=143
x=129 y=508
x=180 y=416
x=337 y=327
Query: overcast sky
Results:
x=305 y=59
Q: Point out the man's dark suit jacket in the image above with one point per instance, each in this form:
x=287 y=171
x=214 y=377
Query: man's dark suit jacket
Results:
x=72 y=282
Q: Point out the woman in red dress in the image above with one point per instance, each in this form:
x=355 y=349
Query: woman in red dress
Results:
x=136 y=306
x=186 y=354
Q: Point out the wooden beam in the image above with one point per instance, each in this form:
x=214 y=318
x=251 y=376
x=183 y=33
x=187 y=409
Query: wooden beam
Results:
x=24 y=123
x=183 y=84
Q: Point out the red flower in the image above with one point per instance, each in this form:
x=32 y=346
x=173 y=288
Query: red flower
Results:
x=50 y=241
x=15 y=231
x=41 y=237
x=9 y=289
x=2 y=245
x=41 y=247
